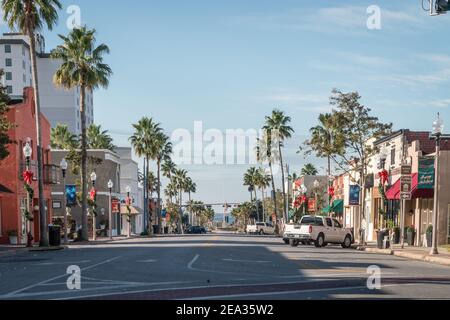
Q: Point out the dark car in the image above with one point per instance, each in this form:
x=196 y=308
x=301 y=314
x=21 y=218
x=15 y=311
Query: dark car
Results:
x=196 y=230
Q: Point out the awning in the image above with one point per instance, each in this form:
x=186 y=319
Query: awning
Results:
x=394 y=192
x=336 y=207
x=134 y=211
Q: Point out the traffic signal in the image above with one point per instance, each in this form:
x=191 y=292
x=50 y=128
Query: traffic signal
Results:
x=442 y=6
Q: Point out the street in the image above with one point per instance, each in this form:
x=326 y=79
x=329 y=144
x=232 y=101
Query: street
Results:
x=216 y=266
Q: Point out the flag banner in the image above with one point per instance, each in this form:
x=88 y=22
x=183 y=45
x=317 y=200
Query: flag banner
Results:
x=426 y=173
x=71 y=195
x=354 y=195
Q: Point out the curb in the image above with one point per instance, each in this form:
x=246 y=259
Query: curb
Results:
x=46 y=249
x=408 y=255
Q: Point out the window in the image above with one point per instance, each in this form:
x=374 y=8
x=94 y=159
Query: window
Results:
x=393 y=157
x=8 y=62
x=337 y=224
x=24 y=78
x=329 y=222
x=9 y=89
x=7 y=48
x=8 y=76
x=23 y=50
x=24 y=65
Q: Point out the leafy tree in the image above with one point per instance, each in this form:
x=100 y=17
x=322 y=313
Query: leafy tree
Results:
x=5 y=125
x=309 y=170
x=29 y=16
x=83 y=67
x=278 y=124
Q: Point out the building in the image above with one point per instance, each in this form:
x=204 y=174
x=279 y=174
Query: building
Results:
x=410 y=147
x=59 y=105
x=13 y=198
x=106 y=165
x=129 y=178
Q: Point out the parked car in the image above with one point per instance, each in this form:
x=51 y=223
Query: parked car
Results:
x=318 y=230
x=261 y=228
x=196 y=230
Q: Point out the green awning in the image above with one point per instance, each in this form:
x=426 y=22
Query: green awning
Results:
x=336 y=207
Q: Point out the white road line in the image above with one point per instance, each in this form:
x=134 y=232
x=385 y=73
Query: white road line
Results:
x=245 y=261
x=192 y=262
x=147 y=261
x=12 y=294
x=61 y=263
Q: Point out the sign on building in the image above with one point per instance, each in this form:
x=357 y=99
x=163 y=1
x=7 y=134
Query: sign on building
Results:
x=406 y=187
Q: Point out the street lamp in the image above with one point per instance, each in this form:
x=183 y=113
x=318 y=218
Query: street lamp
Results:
x=304 y=191
x=110 y=187
x=383 y=157
x=94 y=220
x=316 y=193
x=128 y=191
x=438 y=129
x=64 y=165
x=28 y=152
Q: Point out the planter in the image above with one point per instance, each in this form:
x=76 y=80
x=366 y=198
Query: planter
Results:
x=411 y=238
x=429 y=240
x=13 y=240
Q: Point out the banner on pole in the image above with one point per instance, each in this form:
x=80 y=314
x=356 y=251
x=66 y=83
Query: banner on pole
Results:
x=71 y=195
x=354 y=195
x=426 y=173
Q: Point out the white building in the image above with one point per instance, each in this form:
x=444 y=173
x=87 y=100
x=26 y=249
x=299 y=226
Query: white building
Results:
x=129 y=177
x=60 y=106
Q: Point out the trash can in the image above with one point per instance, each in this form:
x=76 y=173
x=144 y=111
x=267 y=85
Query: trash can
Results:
x=54 y=236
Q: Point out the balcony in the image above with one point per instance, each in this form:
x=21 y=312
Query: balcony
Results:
x=51 y=172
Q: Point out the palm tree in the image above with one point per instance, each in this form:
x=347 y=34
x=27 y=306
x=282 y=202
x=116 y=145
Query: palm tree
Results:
x=180 y=183
x=263 y=181
x=163 y=149
x=82 y=67
x=62 y=139
x=251 y=178
x=278 y=125
x=142 y=141
x=29 y=16
x=190 y=188
x=309 y=170
x=266 y=152
x=168 y=168
x=98 y=139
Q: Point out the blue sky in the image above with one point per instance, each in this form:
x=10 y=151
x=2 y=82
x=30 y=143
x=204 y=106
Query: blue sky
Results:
x=229 y=63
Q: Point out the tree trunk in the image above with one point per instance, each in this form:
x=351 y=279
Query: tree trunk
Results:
x=149 y=198
x=158 y=208
x=329 y=185
x=283 y=182
x=145 y=198
x=274 y=195
x=181 y=213
x=263 y=205
x=256 y=203
x=84 y=207
x=37 y=108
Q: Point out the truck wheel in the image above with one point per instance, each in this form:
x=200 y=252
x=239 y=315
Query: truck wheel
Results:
x=286 y=241
x=293 y=243
x=320 y=242
x=347 y=242
x=261 y=233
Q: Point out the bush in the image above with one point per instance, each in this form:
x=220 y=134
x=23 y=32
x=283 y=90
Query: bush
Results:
x=411 y=229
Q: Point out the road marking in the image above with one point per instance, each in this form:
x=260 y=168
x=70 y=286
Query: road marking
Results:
x=146 y=261
x=61 y=263
x=12 y=294
x=192 y=262
x=245 y=261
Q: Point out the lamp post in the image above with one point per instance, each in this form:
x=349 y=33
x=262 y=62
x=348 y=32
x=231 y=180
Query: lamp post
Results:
x=64 y=167
x=110 y=187
x=128 y=202
x=94 y=220
x=383 y=158
x=28 y=152
x=438 y=129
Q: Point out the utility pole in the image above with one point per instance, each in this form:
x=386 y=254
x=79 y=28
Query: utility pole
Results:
x=287 y=194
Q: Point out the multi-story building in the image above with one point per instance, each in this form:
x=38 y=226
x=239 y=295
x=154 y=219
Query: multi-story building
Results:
x=59 y=105
x=106 y=165
x=13 y=198
x=129 y=178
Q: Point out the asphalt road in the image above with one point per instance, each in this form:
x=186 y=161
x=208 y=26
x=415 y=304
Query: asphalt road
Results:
x=217 y=266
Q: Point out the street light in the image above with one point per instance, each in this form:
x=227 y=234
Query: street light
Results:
x=383 y=157
x=128 y=191
x=110 y=187
x=28 y=152
x=94 y=220
x=438 y=129
x=64 y=165
x=304 y=191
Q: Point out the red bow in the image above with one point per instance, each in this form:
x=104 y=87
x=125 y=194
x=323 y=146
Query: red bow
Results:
x=28 y=177
x=384 y=177
x=93 y=194
x=331 y=192
x=128 y=201
x=304 y=199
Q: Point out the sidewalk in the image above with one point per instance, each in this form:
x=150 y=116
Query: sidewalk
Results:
x=413 y=253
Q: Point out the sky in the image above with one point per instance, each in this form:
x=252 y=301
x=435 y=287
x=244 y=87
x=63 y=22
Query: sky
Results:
x=229 y=63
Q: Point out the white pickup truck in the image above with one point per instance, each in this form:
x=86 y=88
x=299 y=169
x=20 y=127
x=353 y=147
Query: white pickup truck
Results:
x=318 y=230
x=261 y=228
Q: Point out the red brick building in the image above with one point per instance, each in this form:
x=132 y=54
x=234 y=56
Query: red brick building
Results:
x=12 y=192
